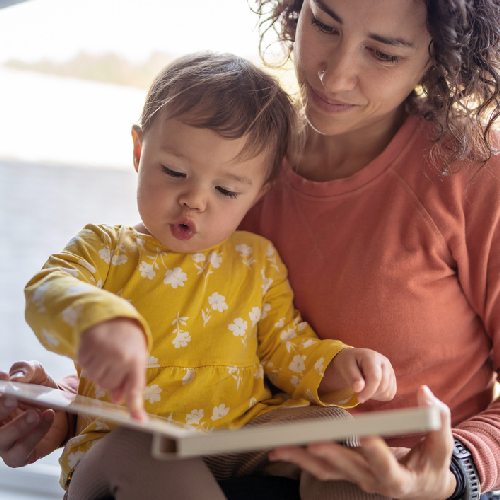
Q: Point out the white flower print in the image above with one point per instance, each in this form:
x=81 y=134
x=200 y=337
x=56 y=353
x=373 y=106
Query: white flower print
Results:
x=238 y=327
x=288 y=334
x=119 y=259
x=217 y=302
x=246 y=254
x=86 y=265
x=38 y=296
x=198 y=257
x=265 y=309
x=220 y=411
x=99 y=284
x=105 y=255
x=271 y=257
x=255 y=315
x=189 y=376
x=244 y=250
x=310 y=395
x=295 y=381
x=259 y=373
x=342 y=402
x=252 y=403
x=80 y=288
x=182 y=340
x=73 y=240
x=74 y=458
x=319 y=365
x=152 y=393
x=50 y=339
x=234 y=371
x=70 y=314
x=301 y=326
x=100 y=426
x=215 y=259
x=194 y=417
x=308 y=343
x=175 y=278
x=153 y=362
x=71 y=272
x=297 y=364
x=266 y=282
x=148 y=270
x=280 y=323
x=99 y=393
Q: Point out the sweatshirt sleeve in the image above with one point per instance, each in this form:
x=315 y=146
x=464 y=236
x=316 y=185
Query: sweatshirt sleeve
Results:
x=293 y=356
x=478 y=260
x=67 y=296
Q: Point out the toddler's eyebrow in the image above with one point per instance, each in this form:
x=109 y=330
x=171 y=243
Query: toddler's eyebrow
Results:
x=387 y=40
x=240 y=178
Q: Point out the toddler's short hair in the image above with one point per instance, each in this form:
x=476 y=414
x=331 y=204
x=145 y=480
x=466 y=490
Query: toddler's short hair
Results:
x=228 y=95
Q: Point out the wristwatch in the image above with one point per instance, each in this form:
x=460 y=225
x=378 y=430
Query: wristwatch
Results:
x=463 y=464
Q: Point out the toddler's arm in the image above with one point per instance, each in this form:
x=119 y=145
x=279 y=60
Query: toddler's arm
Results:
x=113 y=354
x=366 y=372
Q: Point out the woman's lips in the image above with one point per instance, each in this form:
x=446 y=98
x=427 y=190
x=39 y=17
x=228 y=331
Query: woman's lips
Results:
x=183 y=229
x=329 y=105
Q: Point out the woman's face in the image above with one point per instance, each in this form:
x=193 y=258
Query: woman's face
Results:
x=358 y=60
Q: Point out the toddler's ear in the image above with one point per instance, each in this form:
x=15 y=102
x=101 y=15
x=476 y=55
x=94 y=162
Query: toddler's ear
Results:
x=137 y=148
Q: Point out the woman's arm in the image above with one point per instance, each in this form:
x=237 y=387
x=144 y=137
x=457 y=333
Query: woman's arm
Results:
x=28 y=433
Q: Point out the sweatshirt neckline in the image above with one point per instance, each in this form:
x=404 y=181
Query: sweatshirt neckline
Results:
x=373 y=170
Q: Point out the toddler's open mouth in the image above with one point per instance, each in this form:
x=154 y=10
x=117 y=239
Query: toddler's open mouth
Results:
x=183 y=229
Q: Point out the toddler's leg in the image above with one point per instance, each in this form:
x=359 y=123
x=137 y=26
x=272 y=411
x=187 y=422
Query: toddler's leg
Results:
x=121 y=465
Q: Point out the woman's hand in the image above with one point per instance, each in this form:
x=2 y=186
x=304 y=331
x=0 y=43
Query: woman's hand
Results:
x=28 y=433
x=421 y=474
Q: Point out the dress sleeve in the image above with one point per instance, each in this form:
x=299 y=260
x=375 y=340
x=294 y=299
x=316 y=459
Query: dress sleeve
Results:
x=66 y=297
x=293 y=356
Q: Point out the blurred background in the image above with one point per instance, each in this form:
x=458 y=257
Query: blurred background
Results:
x=73 y=78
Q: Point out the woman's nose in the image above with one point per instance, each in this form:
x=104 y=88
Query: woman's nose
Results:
x=339 y=72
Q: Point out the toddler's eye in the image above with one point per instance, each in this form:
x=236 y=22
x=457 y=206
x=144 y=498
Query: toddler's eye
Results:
x=173 y=173
x=226 y=192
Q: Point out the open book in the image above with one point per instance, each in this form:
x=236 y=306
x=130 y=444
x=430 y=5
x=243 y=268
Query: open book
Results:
x=171 y=439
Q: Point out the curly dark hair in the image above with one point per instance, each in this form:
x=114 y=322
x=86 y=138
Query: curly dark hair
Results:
x=460 y=93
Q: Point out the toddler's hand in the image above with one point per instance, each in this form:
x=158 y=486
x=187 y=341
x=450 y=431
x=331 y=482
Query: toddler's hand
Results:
x=113 y=354
x=368 y=373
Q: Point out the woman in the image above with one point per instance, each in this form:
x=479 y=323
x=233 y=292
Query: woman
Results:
x=389 y=224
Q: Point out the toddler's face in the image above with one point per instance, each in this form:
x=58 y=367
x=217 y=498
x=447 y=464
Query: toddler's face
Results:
x=193 y=190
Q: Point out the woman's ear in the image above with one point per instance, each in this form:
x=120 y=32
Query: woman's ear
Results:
x=137 y=147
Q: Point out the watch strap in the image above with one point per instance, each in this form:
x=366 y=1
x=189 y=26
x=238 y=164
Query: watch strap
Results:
x=463 y=462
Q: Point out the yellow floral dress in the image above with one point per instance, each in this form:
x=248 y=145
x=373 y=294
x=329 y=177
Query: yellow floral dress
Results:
x=216 y=321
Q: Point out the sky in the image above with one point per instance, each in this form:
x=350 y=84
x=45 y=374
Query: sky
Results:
x=59 y=29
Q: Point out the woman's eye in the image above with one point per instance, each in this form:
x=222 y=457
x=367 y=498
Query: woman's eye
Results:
x=226 y=192
x=173 y=173
x=329 y=30
x=383 y=57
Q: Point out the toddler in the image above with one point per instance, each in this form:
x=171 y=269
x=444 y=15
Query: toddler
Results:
x=183 y=313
